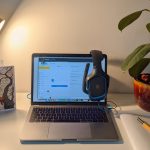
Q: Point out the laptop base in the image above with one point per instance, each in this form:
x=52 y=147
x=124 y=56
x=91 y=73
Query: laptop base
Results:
x=61 y=132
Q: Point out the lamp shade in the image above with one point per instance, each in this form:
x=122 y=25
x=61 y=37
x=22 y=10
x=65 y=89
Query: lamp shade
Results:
x=2 y=21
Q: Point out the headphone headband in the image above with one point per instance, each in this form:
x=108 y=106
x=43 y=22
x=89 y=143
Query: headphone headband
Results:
x=97 y=58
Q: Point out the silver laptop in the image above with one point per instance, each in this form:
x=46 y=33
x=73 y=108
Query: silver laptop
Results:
x=60 y=110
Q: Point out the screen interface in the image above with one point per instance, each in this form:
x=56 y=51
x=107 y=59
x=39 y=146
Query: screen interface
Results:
x=59 y=79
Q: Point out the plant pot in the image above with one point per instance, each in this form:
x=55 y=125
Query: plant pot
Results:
x=142 y=92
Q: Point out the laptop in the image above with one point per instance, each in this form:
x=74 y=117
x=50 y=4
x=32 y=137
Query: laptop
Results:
x=60 y=110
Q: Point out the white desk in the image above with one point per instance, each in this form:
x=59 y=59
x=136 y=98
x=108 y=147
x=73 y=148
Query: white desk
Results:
x=11 y=124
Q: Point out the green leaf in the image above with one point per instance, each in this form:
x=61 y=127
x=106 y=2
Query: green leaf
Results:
x=148 y=27
x=135 y=56
x=129 y=19
x=126 y=63
x=139 y=67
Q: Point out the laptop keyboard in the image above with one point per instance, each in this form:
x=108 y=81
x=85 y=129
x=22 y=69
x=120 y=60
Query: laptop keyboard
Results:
x=68 y=114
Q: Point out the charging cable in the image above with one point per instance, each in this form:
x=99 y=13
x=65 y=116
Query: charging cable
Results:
x=29 y=96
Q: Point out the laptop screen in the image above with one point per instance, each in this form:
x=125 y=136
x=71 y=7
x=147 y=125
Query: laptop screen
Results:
x=59 y=78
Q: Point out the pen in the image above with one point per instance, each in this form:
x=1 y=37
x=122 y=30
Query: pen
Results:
x=145 y=125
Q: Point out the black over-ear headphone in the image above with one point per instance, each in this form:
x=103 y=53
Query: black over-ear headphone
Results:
x=96 y=83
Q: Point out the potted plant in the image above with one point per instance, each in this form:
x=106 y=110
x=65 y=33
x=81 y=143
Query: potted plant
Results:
x=136 y=62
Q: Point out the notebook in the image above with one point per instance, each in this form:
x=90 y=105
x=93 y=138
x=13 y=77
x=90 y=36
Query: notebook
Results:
x=60 y=110
x=138 y=136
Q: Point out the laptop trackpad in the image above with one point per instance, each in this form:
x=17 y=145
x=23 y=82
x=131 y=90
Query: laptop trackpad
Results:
x=60 y=131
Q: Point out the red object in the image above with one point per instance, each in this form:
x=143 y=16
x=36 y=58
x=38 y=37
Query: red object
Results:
x=142 y=94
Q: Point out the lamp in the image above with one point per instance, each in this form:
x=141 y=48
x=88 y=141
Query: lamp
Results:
x=2 y=21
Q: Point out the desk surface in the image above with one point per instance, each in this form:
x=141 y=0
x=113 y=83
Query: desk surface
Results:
x=12 y=122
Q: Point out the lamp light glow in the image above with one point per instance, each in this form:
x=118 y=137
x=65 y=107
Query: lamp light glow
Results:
x=2 y=22
x=18 y=36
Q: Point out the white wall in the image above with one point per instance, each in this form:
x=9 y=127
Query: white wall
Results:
x=7 y=7
x=72 y=26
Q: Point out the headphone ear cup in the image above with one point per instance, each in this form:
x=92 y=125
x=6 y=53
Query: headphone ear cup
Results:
x=97 y=87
